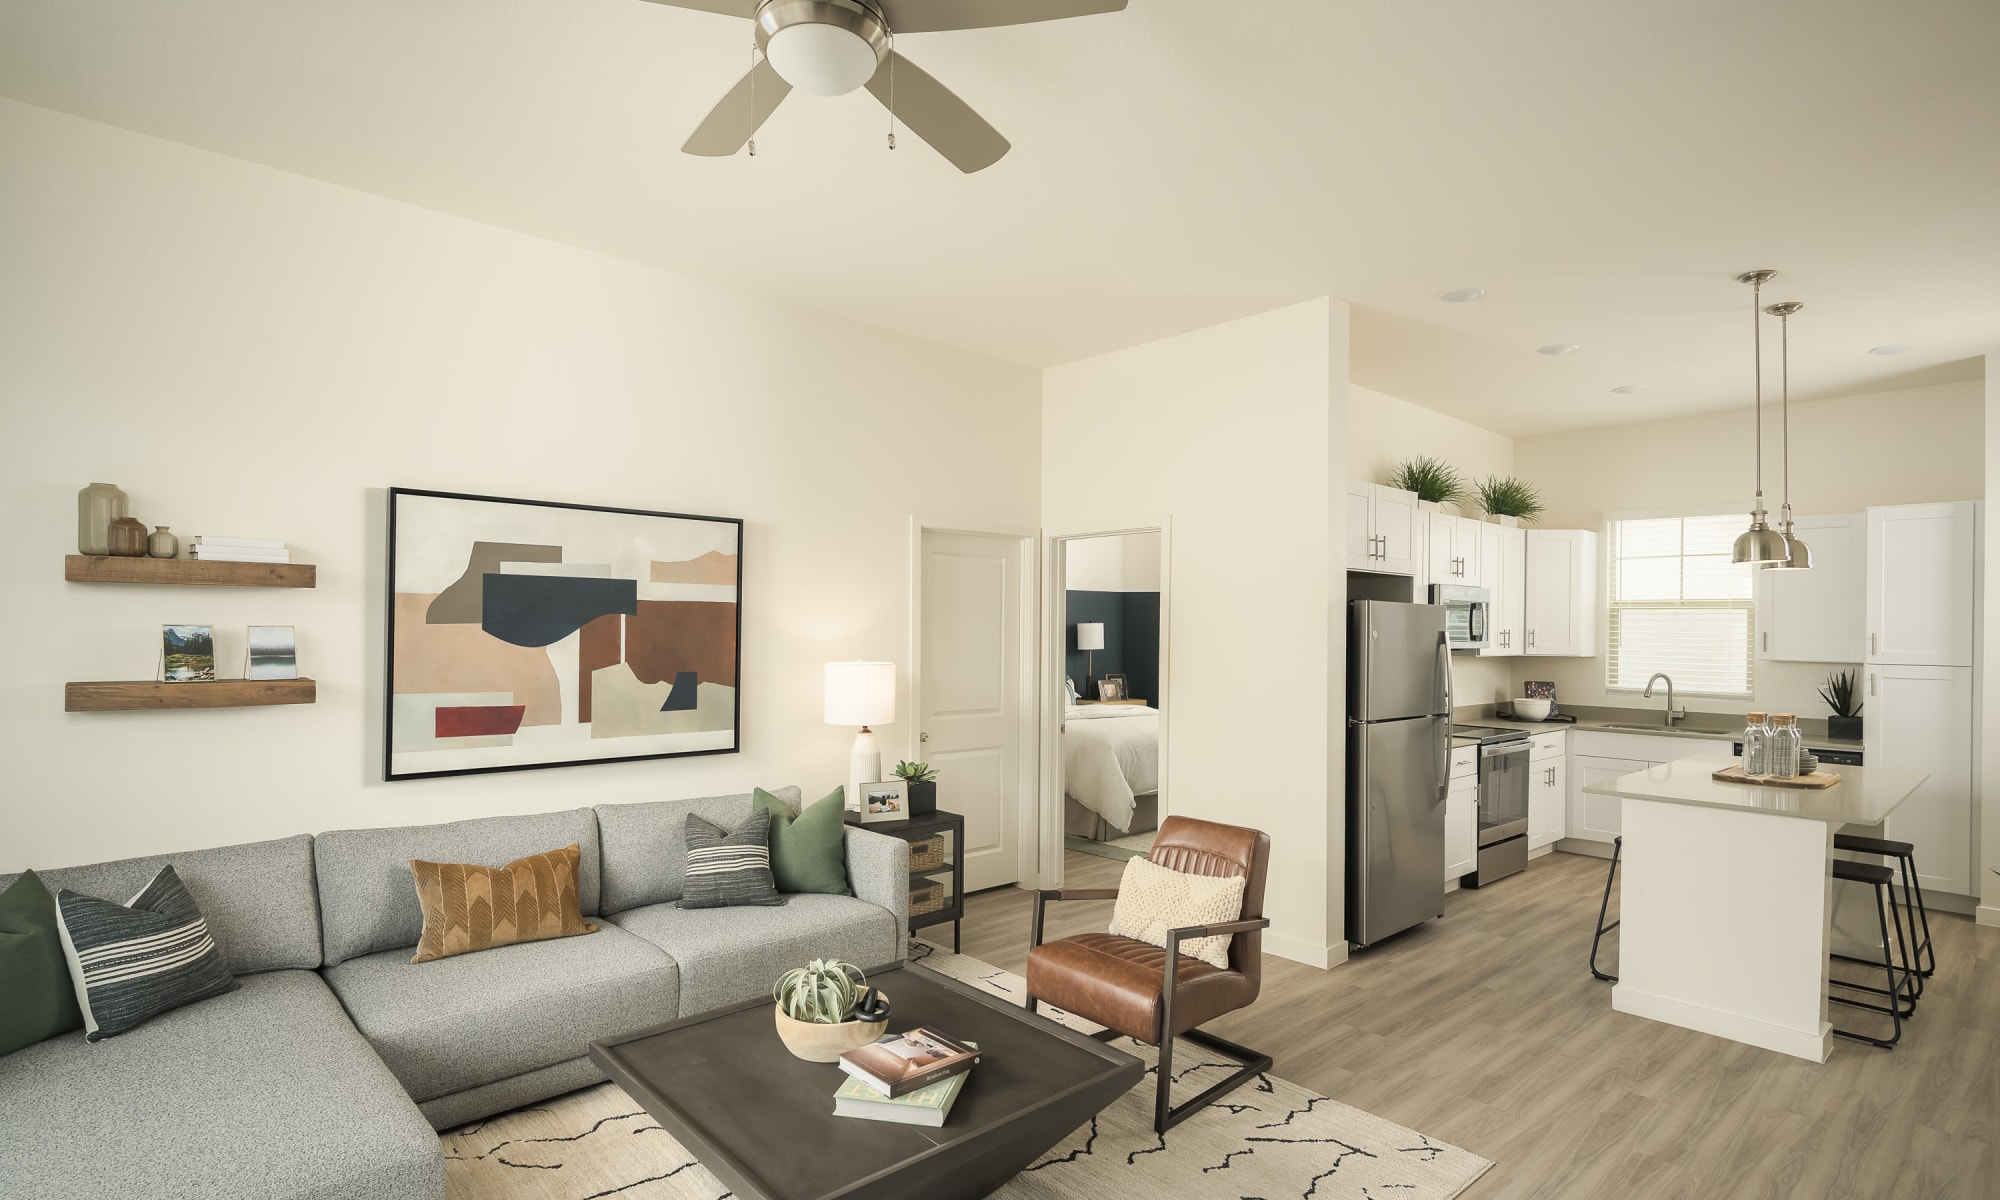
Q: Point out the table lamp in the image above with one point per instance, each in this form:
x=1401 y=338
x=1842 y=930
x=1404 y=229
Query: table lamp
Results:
x=1089 y=637
x=864 y=694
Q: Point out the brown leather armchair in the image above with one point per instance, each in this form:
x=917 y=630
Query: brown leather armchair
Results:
x=1125 y=985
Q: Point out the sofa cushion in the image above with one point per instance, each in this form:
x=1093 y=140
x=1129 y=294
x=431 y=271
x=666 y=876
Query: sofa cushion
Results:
x=809 y=847
x=37 y=999
x=368 y=902
x=265 y=1093
x=460 y=1022
x=131 y=962
x=468 y=908
x=729 y=867
x=258 y=898
x=645 y=845
x=729 y=955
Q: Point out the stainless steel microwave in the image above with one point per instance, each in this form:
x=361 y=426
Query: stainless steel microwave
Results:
x=1468 y=615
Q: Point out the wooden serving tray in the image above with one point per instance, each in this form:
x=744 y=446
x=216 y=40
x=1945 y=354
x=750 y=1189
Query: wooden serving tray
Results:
x=1812 y=783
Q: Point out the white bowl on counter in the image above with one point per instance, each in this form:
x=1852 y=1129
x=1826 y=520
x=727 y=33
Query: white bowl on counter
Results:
x=1532 y=710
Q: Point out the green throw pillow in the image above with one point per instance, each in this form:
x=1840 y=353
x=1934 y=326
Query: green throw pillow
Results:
x=37 y=999
x=809 y=851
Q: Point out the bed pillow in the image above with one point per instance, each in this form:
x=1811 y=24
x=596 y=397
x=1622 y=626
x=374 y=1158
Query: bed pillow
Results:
x=1153 y=899
x=727 y=869
x=37 y=999
x=131 y=962
x=808 y=851
x=468 y=908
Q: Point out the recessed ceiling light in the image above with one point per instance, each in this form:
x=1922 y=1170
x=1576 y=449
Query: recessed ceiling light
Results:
x=1465 y=295
x=1629 y=389
x=1558 y=348
x=1892 y=348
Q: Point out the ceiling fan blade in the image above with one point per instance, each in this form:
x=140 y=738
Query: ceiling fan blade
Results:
x=727 y=8
x=934 y=113
x=936 y=16
x=731 y=123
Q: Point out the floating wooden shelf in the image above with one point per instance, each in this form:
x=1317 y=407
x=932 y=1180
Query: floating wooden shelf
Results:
x=92 y=568
x=148 y=695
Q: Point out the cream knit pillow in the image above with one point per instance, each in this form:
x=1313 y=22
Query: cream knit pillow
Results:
x=1153 y=899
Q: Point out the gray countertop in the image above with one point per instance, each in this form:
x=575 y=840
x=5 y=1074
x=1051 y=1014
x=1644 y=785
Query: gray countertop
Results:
x=1652 y=723
x=1864 y=795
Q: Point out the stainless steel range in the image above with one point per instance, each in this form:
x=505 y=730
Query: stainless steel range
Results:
x=1503 y=801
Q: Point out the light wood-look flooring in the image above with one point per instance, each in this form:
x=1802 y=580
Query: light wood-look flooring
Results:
x=1486 y=1029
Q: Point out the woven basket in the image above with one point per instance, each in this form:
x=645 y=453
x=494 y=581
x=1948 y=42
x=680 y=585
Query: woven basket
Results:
x=927 y=854
x=926 y=898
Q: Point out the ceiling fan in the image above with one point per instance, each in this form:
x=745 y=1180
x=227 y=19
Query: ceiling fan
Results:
x=831 y=47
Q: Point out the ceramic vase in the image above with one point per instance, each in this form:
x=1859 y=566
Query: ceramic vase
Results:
x=96 y=507
x=163 y=544
x=826 y=1043
x=923 y=798
x=128 y=538
x=1844 y=727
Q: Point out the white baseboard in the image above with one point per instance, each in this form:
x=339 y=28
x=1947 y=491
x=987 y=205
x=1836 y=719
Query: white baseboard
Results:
x=1737 y=1028
x=1584 y=846
x=1300 y=950
x=1988 y=915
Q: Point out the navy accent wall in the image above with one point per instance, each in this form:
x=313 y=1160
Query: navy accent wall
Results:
x=1131 y=640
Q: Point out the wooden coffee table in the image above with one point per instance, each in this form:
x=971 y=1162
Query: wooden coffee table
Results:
x=726 y=1087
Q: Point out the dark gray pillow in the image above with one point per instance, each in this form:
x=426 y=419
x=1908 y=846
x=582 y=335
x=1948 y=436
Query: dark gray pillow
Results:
x=726 y=869
x=131 y=962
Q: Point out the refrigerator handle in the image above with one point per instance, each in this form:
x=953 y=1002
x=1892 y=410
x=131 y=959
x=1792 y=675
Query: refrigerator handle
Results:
x=1444 y=726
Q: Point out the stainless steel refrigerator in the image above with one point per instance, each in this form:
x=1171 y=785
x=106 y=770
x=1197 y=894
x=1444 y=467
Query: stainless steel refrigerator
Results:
x=1398 y=766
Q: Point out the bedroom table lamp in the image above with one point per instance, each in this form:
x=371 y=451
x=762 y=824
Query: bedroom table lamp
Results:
x=864 y=694
x=1089 y=637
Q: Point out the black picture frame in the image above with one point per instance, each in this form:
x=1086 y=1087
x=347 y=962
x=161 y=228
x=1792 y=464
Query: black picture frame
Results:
x=390 y=771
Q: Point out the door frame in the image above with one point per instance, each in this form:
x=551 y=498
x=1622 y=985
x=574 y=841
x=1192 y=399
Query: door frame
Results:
x=1026 y=866
x=1055 y=641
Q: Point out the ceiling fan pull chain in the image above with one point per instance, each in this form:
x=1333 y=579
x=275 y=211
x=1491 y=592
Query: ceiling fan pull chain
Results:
x=892 y=89
x=753 y=97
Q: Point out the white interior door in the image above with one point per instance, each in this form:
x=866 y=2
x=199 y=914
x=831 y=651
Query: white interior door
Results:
x=970 y=693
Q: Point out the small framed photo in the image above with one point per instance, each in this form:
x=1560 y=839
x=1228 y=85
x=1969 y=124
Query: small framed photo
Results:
x=187 y=653
x=273 y=653
x=1124 y=689
x=1110 y=689
x=885 y=801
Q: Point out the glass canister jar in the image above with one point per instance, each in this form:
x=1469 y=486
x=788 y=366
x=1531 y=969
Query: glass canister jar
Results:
x=1786 y=743
x=96 y=507
x=1756 y=745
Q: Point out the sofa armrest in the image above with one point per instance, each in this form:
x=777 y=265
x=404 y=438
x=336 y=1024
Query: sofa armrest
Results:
x=878 y=869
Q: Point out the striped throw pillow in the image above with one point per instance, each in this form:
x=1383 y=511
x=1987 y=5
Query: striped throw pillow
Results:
x=470 y=908
x=725 y=869
x=131 y=962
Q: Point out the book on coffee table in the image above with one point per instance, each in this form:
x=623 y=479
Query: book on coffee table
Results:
x=926 y=1106
x=905 y=1062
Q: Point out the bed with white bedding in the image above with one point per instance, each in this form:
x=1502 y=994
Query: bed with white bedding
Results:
x=1111 y=768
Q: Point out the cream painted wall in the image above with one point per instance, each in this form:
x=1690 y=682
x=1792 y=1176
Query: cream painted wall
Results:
x=1847 y=453
x=1240 y=434
x=1128 y=562
x=250 y=352
x=1383 y=431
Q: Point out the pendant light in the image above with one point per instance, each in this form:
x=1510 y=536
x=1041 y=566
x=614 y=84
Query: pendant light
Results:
x=1798 y=556
x=1760 y=544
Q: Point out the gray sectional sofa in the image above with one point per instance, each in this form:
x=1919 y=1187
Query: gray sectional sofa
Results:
x=327 y=1073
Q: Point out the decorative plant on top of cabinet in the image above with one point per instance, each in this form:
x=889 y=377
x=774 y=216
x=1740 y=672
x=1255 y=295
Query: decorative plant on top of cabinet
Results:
x=1512 y=498
x=1433 y=480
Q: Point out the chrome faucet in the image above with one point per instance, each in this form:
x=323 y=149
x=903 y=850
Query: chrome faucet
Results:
x=1673 y=714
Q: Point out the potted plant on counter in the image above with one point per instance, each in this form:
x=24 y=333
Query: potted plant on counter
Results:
x=1434 y=481
x=1511 y=500
x=922 y=778
x=817 y=1010
x=1842 y=693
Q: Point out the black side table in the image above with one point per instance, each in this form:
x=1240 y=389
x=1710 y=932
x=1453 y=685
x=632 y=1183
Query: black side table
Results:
x=917 y=829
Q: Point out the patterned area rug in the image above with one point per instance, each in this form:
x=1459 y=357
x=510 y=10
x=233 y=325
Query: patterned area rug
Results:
x=1269 y=1139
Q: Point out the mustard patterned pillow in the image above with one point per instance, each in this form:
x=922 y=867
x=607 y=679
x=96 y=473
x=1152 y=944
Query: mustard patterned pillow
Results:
x=1153 y=899
x=469 y=908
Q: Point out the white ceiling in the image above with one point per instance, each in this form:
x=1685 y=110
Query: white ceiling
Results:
x=1602 y=169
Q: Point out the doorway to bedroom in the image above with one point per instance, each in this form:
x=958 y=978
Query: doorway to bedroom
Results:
x=1110 y=692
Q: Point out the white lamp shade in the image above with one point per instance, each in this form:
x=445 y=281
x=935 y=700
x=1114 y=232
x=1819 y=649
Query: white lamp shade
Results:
x=824 y=60
x=1090 y=635
x=860 y=693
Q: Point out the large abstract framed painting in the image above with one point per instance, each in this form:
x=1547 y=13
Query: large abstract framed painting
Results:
x=526 y=634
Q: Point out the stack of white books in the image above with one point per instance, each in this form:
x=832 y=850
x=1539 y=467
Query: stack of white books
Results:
x=234 y=549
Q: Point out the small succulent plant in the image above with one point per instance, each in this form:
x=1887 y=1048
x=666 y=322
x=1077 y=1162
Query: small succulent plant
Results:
x=1431 y=479
x=823 y=992
x=916 y=772
x=1510 y=497
x=1842 y=693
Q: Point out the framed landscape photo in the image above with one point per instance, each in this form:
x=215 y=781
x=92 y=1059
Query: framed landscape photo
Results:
x=273 y=653
x=187 y=653
x=526 y=634
x=885 y=801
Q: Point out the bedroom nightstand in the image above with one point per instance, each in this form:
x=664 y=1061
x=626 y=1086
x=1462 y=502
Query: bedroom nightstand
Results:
x=1134 y=702
x=937 y=878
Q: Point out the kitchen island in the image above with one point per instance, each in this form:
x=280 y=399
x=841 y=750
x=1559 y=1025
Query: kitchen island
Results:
x=1726 y=897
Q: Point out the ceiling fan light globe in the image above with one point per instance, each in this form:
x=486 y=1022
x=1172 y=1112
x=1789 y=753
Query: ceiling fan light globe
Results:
x=821 y=59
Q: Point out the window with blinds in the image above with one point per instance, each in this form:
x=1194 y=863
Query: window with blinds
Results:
x=1679 y=605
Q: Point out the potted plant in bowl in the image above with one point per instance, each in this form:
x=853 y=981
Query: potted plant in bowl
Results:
x=1842 y=693
x=922 y=778
x=1511 y=500
x=1434 y=481
x=816 y=1007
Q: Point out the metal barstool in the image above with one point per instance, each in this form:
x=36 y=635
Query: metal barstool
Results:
x=1882 y=880
x=1914 y=910
x=1617 y=847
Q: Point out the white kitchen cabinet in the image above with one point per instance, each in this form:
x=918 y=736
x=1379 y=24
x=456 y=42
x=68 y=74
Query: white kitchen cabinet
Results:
x=1921 y=559
x=1560 y=593
x=1383 y=531
x=1597 y=757
x=1548 y=790
x=1461 y=828
x=1819 y=615
x=1921 y=717
x=1503 y=557
x=1452 y=555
